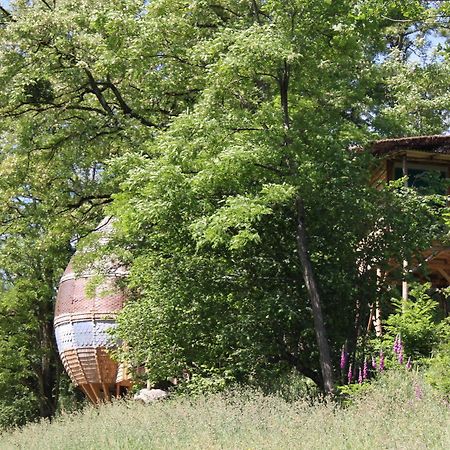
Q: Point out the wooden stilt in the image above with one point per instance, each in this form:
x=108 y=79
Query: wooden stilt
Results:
x=95 y=394
x=371 y=315
x=405 y=263
x=405 y=282
x=377 y=320
x=444 y=274
x=377 y=309
x=88 y=393
x=106 y=395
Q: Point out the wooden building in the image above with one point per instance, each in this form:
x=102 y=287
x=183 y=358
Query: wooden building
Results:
x=83 y=320
x=425 y=160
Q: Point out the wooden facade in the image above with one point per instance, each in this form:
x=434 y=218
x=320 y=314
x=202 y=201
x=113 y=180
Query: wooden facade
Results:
x=412 y=157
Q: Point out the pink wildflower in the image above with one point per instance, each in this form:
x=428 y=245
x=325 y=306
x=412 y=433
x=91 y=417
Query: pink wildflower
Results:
x=360 y=377
x=397 y=344
x=344 y=356
x=409 y=364
x=381 y=366
x=365 y=370
x=350 y=374
x=374 y=362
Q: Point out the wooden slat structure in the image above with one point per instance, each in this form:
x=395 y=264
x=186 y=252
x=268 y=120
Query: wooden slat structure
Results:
x=82 y=322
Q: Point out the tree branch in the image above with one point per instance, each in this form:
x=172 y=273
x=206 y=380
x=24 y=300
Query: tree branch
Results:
x=126 y=108
x=98 y=93
x=105 y=198
x=7 y=14
x=47 y=5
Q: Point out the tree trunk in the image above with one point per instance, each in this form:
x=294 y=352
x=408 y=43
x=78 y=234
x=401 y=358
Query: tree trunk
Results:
x=48 y=373
x=314 y=297
x=302 y=246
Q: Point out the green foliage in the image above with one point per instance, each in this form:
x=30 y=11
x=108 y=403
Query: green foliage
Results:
x=208 y=214
x=437 y=373
x=290 y=386
x=200 y=125
x=416 y=320
x=204 y=380
x=348 y=393
x=18 y=409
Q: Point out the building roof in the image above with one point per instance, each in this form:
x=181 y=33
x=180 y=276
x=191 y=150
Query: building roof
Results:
x=433 y=144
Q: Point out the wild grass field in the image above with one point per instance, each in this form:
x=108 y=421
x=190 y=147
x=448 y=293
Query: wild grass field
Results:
x=399 y=411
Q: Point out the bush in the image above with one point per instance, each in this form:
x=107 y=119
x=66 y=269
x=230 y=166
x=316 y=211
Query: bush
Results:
x=416 y=320
x=438 y=372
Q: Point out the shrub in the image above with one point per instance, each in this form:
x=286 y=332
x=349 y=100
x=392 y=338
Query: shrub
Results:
x=438 y=372
x=416 y=320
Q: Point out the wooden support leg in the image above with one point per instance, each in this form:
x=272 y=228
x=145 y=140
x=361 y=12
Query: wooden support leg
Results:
x=95 y=393
x=88 y=393
x=405 y=283
x=444 y=274
x=377 y=311
x=371 y=319
x=106 y=395
x=377 y=320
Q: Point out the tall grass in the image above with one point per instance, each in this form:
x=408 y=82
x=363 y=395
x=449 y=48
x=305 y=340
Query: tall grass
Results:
x=399 y=412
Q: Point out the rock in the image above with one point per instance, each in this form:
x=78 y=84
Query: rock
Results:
x=150 y=395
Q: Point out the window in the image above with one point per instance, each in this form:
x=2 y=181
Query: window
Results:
x=427 y=179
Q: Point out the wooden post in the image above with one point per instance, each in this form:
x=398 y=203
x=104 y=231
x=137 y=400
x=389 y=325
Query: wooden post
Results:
x=405 y=263
x=96 y=390
x=405 y=282
x=106 y=395
x=377 y=315
x=88 y=393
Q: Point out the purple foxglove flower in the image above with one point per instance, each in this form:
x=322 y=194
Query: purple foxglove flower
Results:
x=381 y=365
x=365 y=370
x=400 y=347
x=350 y=374
x=344 y=356
x=409 y=364
x=360 y=377
x=374 y=363
x=400 y=357
x=397 y=344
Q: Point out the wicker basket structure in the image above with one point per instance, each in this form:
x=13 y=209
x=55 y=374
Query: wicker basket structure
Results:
x=82 y=322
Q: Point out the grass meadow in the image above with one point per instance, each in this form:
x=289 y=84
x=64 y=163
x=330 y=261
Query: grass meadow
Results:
x=399 y=411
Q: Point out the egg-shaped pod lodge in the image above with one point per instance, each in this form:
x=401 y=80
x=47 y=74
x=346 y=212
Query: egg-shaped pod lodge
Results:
x=83 y=316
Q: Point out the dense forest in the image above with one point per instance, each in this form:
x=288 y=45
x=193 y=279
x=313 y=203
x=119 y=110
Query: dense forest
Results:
x=228 y=140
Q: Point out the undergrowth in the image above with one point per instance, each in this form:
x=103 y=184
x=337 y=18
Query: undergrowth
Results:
x=398 y=411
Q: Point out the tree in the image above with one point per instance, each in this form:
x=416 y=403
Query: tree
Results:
x=104 y=79
x=219 y=133
x=252 y=200
x=90 y=89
